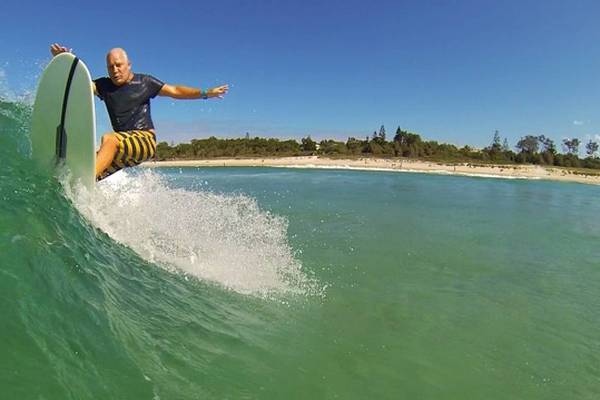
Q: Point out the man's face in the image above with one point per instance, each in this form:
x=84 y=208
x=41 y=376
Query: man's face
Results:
x=119 y=68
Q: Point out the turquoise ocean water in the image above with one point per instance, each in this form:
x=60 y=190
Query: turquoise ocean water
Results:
x=256 y=283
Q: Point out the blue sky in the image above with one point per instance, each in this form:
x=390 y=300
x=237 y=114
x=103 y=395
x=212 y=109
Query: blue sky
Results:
x=453 y=71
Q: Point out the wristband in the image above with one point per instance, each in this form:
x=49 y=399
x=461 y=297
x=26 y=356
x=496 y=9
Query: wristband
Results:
x=204 y=95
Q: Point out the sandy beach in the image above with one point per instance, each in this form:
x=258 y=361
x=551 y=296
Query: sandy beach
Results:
x=399 y=165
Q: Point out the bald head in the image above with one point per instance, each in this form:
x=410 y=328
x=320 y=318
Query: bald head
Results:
x=117 y=52
x=119 y=66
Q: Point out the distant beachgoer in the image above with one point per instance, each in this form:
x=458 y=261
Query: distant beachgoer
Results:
x=127 y=97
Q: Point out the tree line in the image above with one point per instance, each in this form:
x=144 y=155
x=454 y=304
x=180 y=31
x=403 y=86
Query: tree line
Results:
x=529 y=149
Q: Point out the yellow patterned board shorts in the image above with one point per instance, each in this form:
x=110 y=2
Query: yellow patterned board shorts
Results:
x=134 y=148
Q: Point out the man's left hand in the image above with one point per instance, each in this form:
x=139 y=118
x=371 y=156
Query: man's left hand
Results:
x=218 y=91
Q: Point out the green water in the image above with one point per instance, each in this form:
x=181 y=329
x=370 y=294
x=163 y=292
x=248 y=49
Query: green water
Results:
x=256 y=283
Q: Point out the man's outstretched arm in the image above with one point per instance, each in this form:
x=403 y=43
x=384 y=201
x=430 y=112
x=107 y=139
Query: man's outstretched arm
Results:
x=184 y=92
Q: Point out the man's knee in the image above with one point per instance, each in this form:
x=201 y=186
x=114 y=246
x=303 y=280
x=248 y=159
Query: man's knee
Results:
x=110 y=139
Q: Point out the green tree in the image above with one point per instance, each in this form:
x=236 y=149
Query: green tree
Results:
x=332 y=147
x=528 y=147
x=571 y=146
x=547 y=144
x=407 y=138
x=308 y=145
x=375 y=148
x=494 y=151
x=184 y=150
x=381 y=135
x=496 y=146
x=528 y=144
x=164 y=151
x=354 y=146
x=548 y=151
x=399 y=136
x=591 y=148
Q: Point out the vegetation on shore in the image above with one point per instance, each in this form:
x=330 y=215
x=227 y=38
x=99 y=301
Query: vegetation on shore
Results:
x=530 y=149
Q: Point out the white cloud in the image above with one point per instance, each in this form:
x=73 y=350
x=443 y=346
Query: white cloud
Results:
x=578 y=123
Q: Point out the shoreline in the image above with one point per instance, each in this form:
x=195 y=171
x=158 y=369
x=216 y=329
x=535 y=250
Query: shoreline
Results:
x=396 y=165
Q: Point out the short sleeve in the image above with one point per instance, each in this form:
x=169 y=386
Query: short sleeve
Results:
x=153 y=85
x=99 y=82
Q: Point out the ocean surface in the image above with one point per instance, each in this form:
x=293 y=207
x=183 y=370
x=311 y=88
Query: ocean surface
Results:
x=258 y=283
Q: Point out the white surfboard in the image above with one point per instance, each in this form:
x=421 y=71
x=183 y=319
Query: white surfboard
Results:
x=63 y=127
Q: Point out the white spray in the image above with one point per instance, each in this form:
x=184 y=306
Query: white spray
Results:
x=225 y=239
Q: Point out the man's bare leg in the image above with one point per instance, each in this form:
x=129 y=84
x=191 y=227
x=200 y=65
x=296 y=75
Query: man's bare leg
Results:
x=106 y=154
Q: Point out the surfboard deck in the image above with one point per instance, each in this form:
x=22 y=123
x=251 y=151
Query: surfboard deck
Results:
x=63 y=123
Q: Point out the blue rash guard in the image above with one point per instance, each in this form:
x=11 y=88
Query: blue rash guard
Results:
x=128 y=105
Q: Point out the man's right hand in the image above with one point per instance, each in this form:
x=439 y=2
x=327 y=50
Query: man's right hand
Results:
x=56 y=49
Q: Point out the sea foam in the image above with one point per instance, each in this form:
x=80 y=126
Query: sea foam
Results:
x=222 y=238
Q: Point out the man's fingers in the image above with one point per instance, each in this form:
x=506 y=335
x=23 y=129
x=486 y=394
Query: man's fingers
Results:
x=54 y=49
x=57 y=49
x=219 y=91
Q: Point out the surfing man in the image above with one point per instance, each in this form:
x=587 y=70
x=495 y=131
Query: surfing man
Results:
x=127 y=97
